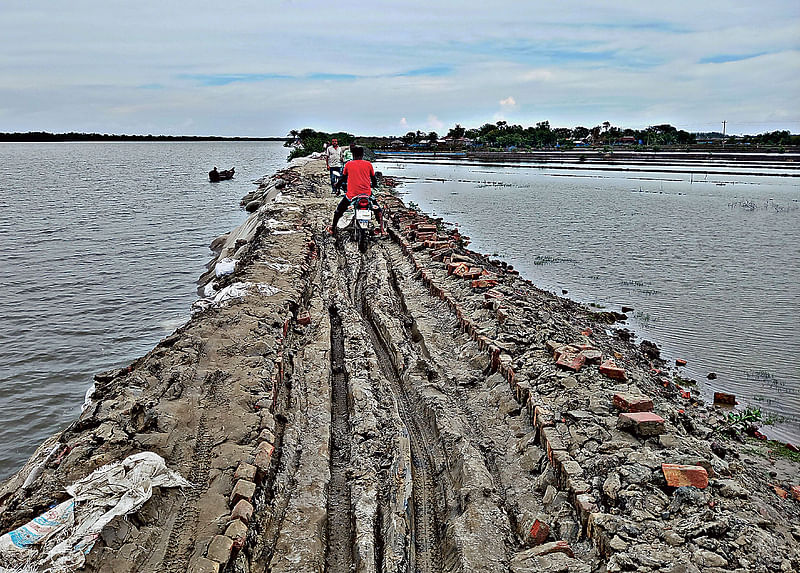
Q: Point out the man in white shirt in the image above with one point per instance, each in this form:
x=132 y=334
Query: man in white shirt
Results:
x=333 y=159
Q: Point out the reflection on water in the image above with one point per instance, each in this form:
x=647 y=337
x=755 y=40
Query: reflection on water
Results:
x=102 y=246
x=710 y=266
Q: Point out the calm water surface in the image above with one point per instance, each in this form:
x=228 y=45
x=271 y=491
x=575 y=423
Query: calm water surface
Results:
x=709 y=262
x=102 y=246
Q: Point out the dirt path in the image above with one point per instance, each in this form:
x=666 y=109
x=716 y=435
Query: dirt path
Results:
x=377 y=413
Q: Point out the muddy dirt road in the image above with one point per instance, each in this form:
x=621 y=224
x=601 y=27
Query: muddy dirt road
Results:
x=416 y=408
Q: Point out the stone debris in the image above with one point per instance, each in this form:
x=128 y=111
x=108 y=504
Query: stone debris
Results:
x=417 y=407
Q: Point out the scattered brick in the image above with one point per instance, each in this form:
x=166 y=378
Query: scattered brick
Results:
x=483 y=283
x=459 y=270
x=492 y=294
x=245 y=471
x=678 y=475
x=236 y=532
x=242 y=490
x=303 y=318
x=473 y=273
x=263 y=456
x=243 y=510
x=219 y=549
x=680 y=362
x=555 y=547
x=796 y=492
x=779 y=491
x=610 y=369
x=571 y=361
x=723 y=398
x=628 y=403
x=538 y=533
x=641 y=423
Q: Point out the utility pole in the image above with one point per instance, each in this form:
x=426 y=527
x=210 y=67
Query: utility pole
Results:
x=724 y=123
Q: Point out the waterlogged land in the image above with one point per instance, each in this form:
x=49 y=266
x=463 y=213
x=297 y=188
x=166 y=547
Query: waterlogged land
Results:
x=704 y=262
x=383 y=412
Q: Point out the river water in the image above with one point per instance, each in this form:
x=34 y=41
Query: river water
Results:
x=709 y=259
x=102 y=246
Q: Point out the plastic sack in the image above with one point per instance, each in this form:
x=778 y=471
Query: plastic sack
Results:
x=58 y=540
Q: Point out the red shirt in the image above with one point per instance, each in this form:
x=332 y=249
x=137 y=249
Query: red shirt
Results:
x=359 y=175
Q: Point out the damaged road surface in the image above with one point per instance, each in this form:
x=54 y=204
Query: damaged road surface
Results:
x=415 y=408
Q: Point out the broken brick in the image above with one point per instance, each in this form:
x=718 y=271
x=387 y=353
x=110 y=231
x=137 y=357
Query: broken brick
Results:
x=571 y=361
x=779 y=491
x=237 y=532
x=641 y=423
x=796 y=492
x=303 y=318
x=554 y=547
x=678 y=475
x=723 y=398
x=483 y=283
x=680 y=362
x=610 y=369
x=628 y=403
x=538 y=533
x=243 y=510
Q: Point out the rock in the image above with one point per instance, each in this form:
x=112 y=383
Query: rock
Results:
x=219 y=549
x=730 y=488
x=252 y=205
x=612 y=486
x=554 y=547
x=706 y=558
x=686 y=496
x=203 y=565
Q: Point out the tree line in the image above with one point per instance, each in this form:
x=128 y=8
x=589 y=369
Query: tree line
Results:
x=502 y=135
x=76 y=136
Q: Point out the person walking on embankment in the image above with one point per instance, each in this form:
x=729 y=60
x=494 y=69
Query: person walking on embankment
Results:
x=333 y=159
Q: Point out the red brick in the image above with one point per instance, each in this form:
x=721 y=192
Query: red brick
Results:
x=237 y=532
x=610 y=369
x=680 y=362
x=473 y=273
x=780 y=492
x=303 y=317
x=538 y=533
x=502 y=315
x=555 y=547
x=723 y=398
x=242 y=510
x=460 y=270
x=565 y=349
x=641 y=423
x=426 y=228
x=243 y=490
x=796 y=492
x=678 y=475
x=492 y=294
x=245 y=471
x=571 y=361
x=633 y=403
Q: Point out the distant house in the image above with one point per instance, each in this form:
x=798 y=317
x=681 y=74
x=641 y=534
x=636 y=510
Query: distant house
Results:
x=627 y=140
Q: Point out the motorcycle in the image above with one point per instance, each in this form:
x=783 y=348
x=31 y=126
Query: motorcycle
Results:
x=363 y=226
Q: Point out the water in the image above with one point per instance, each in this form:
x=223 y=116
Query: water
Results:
x=709 y=262
x=102 y=247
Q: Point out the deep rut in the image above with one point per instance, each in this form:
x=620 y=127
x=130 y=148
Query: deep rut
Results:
x=426 y=542
x=340 y=530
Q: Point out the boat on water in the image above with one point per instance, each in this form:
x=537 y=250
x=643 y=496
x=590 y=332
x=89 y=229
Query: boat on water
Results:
x=214 y=176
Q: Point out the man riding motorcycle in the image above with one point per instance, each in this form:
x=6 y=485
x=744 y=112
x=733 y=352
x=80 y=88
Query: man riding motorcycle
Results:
x=359 y=176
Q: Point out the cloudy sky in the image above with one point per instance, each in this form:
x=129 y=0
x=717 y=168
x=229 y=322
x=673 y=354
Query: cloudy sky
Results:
x=261 y=68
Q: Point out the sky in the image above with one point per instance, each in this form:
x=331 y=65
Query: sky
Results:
x=261 y=68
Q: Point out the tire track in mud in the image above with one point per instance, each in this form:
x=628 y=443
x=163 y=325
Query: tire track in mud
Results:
x=426 y=543
x=340 y=527
x=181 y=537
x=455 y=390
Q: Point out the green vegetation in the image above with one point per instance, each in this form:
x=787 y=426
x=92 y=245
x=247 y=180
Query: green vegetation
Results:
x=739 y=421
x=75 y=136
x=308 y=141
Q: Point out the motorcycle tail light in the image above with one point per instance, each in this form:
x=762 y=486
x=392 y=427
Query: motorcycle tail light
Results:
x=363 y=203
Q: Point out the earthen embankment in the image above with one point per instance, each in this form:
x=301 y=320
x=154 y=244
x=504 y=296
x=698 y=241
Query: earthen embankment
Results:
x=418 y=407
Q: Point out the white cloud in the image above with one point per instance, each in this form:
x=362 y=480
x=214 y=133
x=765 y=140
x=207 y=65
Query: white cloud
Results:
x=434 y=123
x=508 y=103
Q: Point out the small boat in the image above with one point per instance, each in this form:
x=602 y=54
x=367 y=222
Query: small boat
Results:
x=214 y=176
